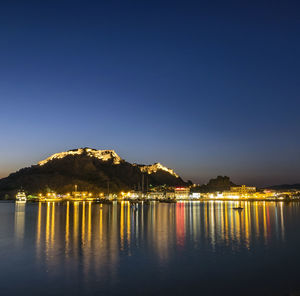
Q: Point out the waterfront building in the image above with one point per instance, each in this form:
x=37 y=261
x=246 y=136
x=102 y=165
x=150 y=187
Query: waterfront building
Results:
x=156 y=195
x=132 y=194
x=243 y=190
x=170 y=194
x=182 y=192
x=196 y=195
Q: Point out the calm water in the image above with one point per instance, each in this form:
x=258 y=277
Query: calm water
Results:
x=159 y=249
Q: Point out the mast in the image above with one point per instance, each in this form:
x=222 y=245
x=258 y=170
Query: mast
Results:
x=107 y=188
x=143 y=176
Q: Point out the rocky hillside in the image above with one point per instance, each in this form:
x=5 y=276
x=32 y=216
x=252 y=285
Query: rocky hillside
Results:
x=90 y=169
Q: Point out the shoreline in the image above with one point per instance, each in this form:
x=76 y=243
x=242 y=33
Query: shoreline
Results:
x=155 y=200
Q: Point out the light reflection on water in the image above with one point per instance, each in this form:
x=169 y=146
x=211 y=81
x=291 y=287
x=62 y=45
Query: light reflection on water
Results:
x=89 y=228
x=19 y=223
x=93 y=243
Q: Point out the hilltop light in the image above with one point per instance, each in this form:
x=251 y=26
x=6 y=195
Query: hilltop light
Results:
x=156 y=167
x=103 y=155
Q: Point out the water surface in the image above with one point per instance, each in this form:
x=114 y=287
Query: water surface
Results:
x=204 y=248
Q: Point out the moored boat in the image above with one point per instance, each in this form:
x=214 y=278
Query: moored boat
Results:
x=21 y=196
x=168 y=200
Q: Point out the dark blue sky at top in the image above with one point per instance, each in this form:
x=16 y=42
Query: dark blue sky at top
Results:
x=205 y=87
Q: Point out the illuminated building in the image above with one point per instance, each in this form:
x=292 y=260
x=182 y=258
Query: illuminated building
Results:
x=156 y=195
x=156 y=167
x=182 y=192
x=196 y=195
x=242 y=190
x=132 y=194
x=170 y=195
x=104 y=155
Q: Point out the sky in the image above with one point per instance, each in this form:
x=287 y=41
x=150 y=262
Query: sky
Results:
x=205 y=87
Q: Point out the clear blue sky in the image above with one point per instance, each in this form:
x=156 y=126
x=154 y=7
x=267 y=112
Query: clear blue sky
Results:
x=205 y=87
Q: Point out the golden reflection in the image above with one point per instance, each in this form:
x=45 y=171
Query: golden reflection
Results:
x=52 y=223
x=281 y=220
x=165 y=228
x=47 y=227
x=265 y=221
x=83 y=223
x=136 y=224
x=222 y=222
x=237 y=223
x=195 y=221
x=75 y=227
x=231 y=221
x=19 y=222
x=90 y=222
x=128 y=223
x=122 y=225
x=38 y=230
x=67 y=232
x=97 y=234
x=112 y=245
x=256 y=218
x=101 y=222
x=86 y=240
x=247 y=226
x=226 y=222
x=212 y=224
x=205 y=218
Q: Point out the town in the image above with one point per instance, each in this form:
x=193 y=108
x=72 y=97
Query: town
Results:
x=166 y=194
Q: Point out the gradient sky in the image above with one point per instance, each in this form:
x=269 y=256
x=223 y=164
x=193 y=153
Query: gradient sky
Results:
x=205 y=87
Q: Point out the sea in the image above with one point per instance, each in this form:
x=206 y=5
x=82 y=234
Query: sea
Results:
x=150 y=248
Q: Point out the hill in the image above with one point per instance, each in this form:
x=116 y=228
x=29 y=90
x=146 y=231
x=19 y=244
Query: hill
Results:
x=91 y=170
x=221 y=183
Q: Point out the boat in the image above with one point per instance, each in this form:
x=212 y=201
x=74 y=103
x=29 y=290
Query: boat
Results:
x=134 y=206
x=238 y=208
x=168 y=200
x=21 y=196
x=103 y=201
